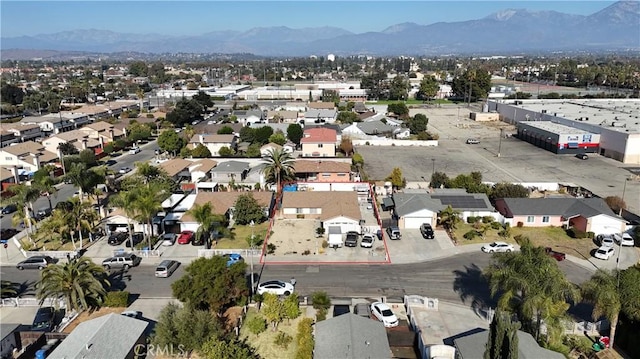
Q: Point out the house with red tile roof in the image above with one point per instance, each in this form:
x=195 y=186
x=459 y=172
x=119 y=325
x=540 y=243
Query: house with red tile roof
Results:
x=319 y=142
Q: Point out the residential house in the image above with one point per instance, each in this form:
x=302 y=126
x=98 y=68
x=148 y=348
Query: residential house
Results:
x=336 y=208
x=79 y=139
x=49 y=124
x=473 y=346
x=214 y=142
x=289 y=147
x=268 y=148
x=248 y=117
x=360 y=107
x=318 y=105
x=22 y=131
x=78 y=119
x=401 y=133
x=103 y=131
x=319 y=142
x=223 y=203
x=586 y=214
x=109 y=336
x=320 y=116
x=201 y=169
x=205 y=128
x=8 y=177
x=413 y=208
x=368 y=129
x=27 y=156
x=371 y=116
x=177 y=168
x=9 y=339
x=297 y=106
x=351 y=336
x=282 y=116
x=230 y=171
x=322 y=171
x=7 y=138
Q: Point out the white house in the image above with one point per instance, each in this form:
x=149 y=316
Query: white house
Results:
x=213 y=142
x=269 y=147
x=335 y=208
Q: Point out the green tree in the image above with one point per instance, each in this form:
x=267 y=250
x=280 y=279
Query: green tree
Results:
x=357 y=160
x=273 y=310
x=429 y=87
x=68 y=149
x=225 y=130
x=225 y=151
x=396 y=178
x=399 y=109
x=418 y=123
x=479 y=80
x=23 y=197
x=278 y=138
x=219 y=348
x=80 y=282
x=201 y=151
x=508 y=190
x=399 y=88
x=438 y=179
x=88 y=157
x=247 y=134
x=80 y=217
x=503 y=337
x=247 y=210
x=603 y=292
x=449 y=218
x=170 y=141
x=253 y=151
x=295 y=133
x=347 y=117
x=137 y=132
x=208 y=284
x=291 y=307
x=533 y=286
x=147 y=203
x=138 y=68
x=262 y=134
x=279 y=166
x=148 y=171
x=185 y=112
x=204 y=216
x=203 y=99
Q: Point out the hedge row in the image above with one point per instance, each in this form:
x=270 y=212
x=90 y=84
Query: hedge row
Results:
x=305 y=339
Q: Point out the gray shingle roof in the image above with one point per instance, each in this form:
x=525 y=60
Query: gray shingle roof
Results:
x=230 y=166
x=407 y=203
x=109 y=336
x=6 y=329
x=350 y=336
x=567 y=207
x=374 y=127
x=473 y=346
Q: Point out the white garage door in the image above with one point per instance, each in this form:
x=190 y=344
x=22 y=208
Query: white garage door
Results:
x=416 y=222
x=345 y=226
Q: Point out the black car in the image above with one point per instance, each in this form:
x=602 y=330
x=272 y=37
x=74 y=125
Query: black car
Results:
x=582 y=156
x=199 y=239
x=137 y=238
x=8 y=209
x=44 y=320
x=117 y=238
x=7 y=233
x=352 y=239
x=427 y=231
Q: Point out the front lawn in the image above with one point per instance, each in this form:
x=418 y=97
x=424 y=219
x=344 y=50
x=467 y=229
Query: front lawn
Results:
x=264 y=342
x=554 y=237
x=239 y=235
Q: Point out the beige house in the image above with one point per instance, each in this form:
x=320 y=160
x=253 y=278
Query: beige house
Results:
x=28 y=156
x=319 y=142
x=77 y=138
x=335 y=208
x=322 y=171
x=24 y=132
x=104 y=130
x=213 y=142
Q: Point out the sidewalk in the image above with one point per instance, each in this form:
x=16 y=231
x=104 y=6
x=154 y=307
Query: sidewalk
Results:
x=12 y=255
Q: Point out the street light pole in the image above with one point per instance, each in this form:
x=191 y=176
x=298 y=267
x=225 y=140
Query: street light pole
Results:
x=500 y=142
x=252 y=224
x=433 y=167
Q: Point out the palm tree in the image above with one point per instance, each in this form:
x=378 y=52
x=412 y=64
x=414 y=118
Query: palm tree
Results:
x=23 y=198
x=81 y=216
x=279 y=167
x=449 y=218
x=148 y=171
x=203 y=214
x=46 y=185
x=80 y=282
x=126 y=200
x=57 y=226
x=148 y=203
x=602 y=291
x=531 y=284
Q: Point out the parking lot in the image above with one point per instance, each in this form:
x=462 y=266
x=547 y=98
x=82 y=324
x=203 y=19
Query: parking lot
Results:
x=518 y=161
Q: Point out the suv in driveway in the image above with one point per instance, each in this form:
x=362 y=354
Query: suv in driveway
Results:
x=394 y=232
x=427 y=231
x=352 y=239
x=124 y=260
x=117 y=238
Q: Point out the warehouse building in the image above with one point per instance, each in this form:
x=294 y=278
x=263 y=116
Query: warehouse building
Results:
x=616 y=121
x=558 y=138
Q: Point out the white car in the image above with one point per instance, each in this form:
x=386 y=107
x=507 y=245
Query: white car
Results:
x=606 y=240
x=497 y=247
x=604 y=253
x=168 y=239
x=624 y=240
x=384 y=314
x=124 y=170
x=134 y=150
x=367 y=240
x=276 y=287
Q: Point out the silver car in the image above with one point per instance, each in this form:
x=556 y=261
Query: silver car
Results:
x=35 y=262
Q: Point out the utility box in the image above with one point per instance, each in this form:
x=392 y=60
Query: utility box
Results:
x=335 y=237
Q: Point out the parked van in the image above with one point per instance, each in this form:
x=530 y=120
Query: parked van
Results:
x=166 y=268
x=394 y=232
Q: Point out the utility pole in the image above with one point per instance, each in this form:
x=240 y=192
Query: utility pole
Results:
x=500 y=142
x=433 y=167
x=252 y=224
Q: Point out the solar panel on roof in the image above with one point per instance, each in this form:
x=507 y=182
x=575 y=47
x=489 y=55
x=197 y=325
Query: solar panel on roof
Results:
x=461 y=201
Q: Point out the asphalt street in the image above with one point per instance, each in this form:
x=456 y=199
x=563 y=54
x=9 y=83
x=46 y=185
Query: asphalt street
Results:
x=454 y=279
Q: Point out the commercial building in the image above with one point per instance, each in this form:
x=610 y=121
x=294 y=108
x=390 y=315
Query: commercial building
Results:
x=616 y=121
x=558 y=138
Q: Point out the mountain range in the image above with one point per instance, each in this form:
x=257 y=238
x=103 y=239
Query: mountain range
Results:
x=511 y=31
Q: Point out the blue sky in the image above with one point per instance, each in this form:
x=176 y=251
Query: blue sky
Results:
x=23 y=17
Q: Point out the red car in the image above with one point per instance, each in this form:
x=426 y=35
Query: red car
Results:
x=559 y=256
x=185 y=237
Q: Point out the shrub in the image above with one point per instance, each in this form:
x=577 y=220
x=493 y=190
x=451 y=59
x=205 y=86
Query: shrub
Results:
x=496 y=225
x=321 y=314
x=367 y=143
x=271 y=248
x=320 y=300
x=576 y=233
x=306 y=252
x=325 y=244
x=487 y=219
x=257 y=325
x=471 y=235
x=282 y=340
x=116 y=299
x=472 y=219
x=304 y=337
x=591 y=235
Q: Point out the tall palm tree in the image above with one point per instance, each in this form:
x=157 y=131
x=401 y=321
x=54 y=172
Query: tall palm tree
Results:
x=531 y=284
x=126 y=200
x=148 y=203
x=80 y=282
x=80 y=217
x=57 y=226
x=603 y=292
x=279 y=167
x=147 y=171
x=23 y=198
x=46 y=187
x=203 y=214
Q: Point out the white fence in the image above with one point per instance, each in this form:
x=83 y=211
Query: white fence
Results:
x=208 y=253
x=53 y=254
x=392 y=142
x=32 y=302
